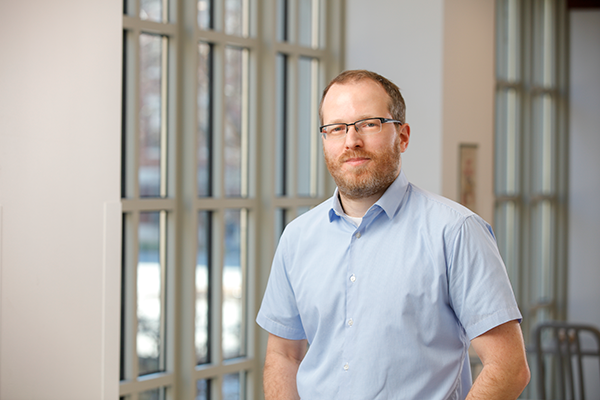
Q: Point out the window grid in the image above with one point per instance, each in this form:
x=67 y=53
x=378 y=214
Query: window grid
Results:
x=530 y=172
x=193 y=195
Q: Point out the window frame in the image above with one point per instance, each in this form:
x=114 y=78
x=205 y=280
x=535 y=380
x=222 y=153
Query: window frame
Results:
x=179 y=201
x=531 y=63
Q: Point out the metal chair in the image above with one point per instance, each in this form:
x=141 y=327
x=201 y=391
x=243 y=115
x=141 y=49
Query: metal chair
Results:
x=563 y=343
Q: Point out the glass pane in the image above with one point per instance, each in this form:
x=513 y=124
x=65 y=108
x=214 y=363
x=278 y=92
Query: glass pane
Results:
x=307 y=24
x=236 y=17
x=204 y=119
x=235 y=124
x=281 y=220
x=302 y=210
x=233 y=386
x=282 y=20
x=307 y=129
x=508 y=40
x=154 y=394
x=203 y=389
x=149 y=293
x=507 y=235
x=543 y=256
x=233 y=285
x=127 y=227
x=202 y=287
x=508 y=144
x=544 y=43
x=544 y=148
x=151 y=10
x=281 y=139
x=150 y=115
x=205 y=16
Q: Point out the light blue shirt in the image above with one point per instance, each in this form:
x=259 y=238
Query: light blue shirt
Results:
x=388 y=307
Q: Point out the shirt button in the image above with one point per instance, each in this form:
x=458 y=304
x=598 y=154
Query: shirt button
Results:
x=350 y=322
x=352 y=278
x=346 y=366
x=358 y=235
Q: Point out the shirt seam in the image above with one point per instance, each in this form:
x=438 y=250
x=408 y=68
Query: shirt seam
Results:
x=488 y=317
x=284 y=327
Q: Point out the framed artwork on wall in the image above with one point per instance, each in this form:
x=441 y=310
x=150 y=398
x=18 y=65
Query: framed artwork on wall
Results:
x=468 y=175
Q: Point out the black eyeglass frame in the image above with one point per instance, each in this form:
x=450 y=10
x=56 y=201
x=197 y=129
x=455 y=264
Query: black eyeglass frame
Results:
x=383 y=121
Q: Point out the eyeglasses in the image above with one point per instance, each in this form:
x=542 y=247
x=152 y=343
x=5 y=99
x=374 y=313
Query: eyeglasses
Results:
x=367 y=126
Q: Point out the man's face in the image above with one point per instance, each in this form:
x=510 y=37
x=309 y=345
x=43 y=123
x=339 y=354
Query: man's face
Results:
x=362 y=166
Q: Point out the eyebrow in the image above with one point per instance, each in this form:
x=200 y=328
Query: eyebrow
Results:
x=339 y=121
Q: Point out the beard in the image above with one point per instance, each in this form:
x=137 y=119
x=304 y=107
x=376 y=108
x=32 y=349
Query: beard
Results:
x=368 y=180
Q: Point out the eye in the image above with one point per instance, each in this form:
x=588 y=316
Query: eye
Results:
x=370 y=125
x=336 y=129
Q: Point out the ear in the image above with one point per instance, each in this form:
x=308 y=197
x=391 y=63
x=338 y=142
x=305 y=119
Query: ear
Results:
x=404 y=134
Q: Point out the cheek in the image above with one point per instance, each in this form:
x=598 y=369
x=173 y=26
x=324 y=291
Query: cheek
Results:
x=385 y=144
x=331 y=150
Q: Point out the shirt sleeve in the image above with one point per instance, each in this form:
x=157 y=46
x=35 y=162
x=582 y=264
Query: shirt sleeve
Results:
x=480 y=291
x=278 y=313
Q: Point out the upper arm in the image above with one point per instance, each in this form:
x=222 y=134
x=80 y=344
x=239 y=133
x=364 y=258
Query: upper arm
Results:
x=480 y=292
x=503 y=347
x=293 y=350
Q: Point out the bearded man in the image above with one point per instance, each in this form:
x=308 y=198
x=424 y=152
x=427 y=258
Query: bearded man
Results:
x=388 y=284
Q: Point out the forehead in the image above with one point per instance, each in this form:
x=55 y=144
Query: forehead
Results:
x=355 y=100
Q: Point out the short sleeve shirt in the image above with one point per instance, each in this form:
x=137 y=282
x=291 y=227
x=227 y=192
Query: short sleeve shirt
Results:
x=389 y=306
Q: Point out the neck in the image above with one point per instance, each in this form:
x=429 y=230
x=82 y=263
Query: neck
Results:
x=358 y=207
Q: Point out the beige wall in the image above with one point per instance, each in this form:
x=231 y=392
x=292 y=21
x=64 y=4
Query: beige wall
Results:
x=441 y=55
x=60 y=74
x=468 y=97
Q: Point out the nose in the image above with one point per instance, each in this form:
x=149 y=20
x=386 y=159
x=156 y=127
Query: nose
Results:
x=353 y=138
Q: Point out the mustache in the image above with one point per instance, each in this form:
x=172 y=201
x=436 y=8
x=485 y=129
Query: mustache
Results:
x=356 y=154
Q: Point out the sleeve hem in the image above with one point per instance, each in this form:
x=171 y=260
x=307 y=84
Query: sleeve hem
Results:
x=277 y=329
x=492 y=321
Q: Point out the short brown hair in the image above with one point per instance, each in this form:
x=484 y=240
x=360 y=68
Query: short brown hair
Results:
x=396 y=105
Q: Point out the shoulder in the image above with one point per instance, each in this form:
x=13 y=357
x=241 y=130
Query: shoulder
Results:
x=317 y=218
x=431 y=201
x=442 y=213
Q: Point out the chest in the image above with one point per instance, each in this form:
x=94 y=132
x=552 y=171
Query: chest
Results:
x=381 y=272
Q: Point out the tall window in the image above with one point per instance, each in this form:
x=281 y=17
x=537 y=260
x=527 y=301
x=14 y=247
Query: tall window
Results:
x=531 y=154
x=220 y=151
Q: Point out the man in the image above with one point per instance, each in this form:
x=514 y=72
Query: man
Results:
x=389 y=284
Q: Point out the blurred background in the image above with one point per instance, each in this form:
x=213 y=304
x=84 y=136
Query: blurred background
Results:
x=152 y=152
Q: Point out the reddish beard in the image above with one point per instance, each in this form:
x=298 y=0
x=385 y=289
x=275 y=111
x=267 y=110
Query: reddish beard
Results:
x=365 y=180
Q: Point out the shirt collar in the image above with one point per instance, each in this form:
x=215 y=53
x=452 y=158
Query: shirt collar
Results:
x=390 y=201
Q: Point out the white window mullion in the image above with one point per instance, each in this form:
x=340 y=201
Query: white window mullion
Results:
x=218 y=136
x=130 y=327
x=216 y=290
x=314 y=123
x=132 y=103
x=245 y=122
x=292 y=125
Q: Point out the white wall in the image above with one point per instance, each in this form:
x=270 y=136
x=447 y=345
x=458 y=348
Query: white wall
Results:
x=403 y=41
x=584 y=181
x=441 y=55
x=60 y=73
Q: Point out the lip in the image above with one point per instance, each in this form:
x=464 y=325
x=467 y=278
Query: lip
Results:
x=356 y=161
